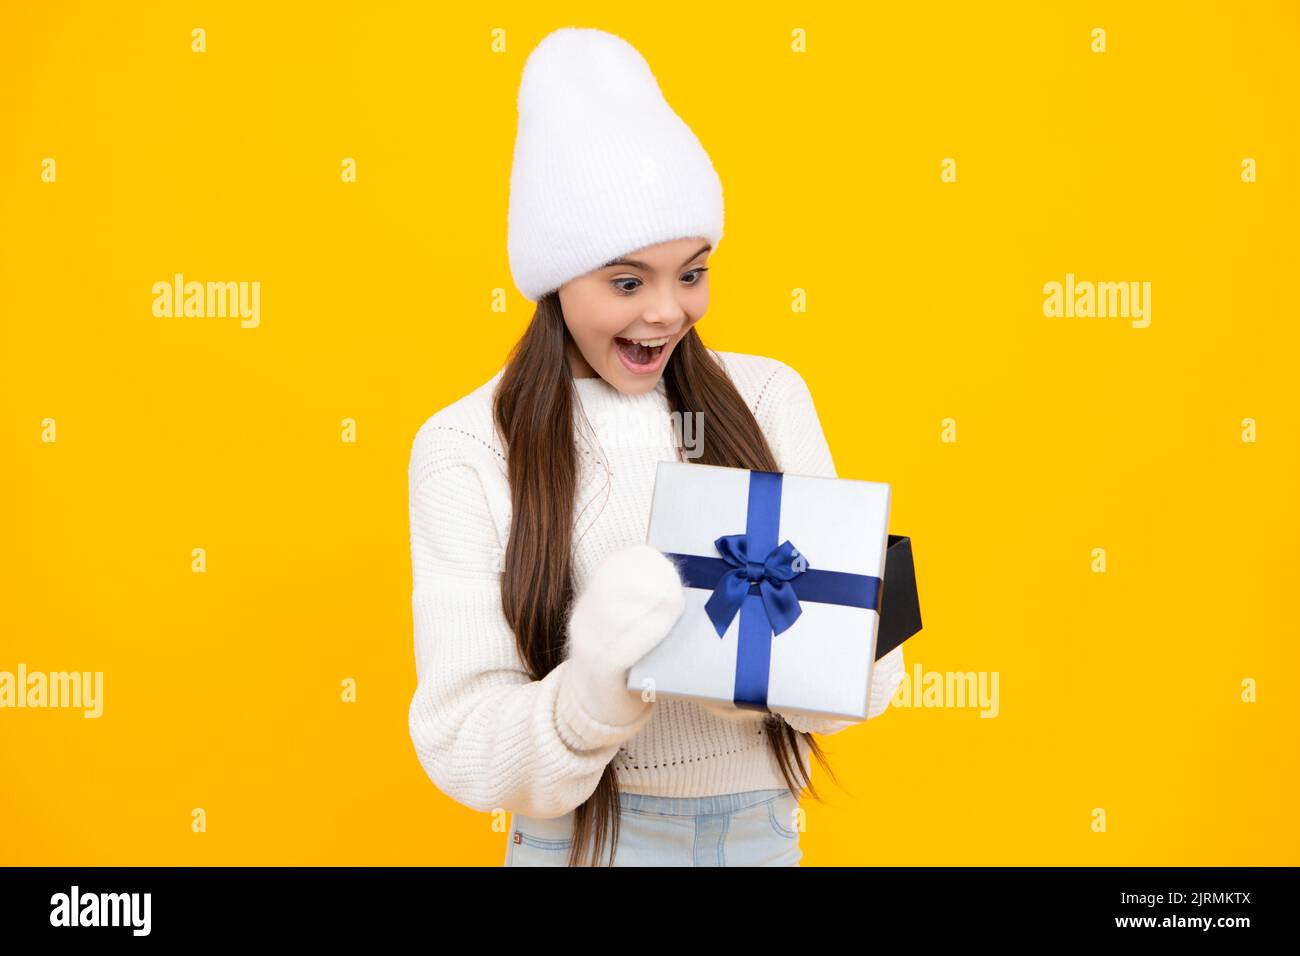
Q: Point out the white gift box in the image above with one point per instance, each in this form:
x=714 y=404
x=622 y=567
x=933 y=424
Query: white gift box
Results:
x=756 y=547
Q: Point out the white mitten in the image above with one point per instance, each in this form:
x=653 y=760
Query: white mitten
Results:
x=631 y=602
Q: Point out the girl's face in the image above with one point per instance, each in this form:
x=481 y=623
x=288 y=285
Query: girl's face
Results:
x=653 y=295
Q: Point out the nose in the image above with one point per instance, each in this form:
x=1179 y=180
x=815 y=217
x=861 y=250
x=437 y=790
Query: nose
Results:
x=665 y=312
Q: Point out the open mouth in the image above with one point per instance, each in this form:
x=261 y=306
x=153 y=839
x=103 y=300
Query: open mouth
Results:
x=641 y=355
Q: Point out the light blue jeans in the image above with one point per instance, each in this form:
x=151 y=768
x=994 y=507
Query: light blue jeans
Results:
x=754 y=828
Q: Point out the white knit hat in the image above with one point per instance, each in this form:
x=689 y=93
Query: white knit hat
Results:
x=602 y=165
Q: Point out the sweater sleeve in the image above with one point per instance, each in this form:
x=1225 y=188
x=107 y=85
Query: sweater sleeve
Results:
x=795 y=433
x=486 y=734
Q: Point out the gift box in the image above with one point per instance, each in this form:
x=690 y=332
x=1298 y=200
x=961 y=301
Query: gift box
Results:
x=785 y=581
x=900 y=607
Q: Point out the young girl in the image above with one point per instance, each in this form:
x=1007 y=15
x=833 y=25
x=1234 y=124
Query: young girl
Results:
x=534 y=590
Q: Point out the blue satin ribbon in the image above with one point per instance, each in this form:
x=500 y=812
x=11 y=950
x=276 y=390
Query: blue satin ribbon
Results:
x=765 y=581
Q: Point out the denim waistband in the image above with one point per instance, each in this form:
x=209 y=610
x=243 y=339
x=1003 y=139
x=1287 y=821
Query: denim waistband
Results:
x=696 y=806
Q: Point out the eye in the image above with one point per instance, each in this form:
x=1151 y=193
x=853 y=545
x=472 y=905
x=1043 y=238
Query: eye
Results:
x=622 y=289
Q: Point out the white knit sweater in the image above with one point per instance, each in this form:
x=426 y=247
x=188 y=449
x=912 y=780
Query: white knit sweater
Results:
x=487 y=735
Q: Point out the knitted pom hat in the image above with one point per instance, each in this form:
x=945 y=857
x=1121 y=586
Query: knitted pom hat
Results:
x=602 y=165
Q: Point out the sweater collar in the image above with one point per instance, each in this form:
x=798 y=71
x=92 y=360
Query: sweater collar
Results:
x=595 y=392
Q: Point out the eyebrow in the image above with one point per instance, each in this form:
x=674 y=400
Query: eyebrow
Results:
x=637 y=264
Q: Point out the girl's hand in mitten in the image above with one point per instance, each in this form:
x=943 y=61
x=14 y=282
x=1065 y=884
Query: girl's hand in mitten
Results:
x=631 y=602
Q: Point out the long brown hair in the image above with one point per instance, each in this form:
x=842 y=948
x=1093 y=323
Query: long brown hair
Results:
x=533 y=408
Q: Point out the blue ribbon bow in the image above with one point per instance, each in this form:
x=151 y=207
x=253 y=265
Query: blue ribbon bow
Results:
x=766 y=592
x=772 y=575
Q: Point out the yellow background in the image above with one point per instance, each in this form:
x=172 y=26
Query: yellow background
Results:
x=1119 y=691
